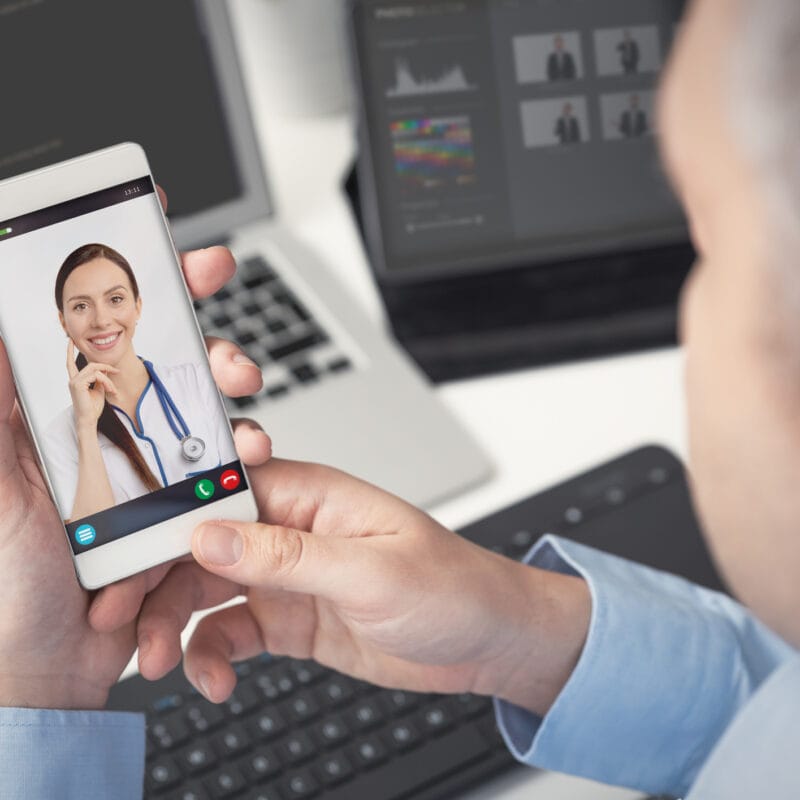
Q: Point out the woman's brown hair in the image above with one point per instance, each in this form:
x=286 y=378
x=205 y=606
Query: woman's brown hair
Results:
x=109 y=423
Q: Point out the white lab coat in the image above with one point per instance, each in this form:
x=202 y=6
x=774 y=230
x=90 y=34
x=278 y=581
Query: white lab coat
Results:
x=197 y=399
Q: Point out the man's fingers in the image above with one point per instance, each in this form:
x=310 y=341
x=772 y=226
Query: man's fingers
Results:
x=207 y=271
x=231 y=634
x=166 y=612
x=116 y=605
x=253 y=446
x=234 y=373
x=272 y=557
x=162 y=197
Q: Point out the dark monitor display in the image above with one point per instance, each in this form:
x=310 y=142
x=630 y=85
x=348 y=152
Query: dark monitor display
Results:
x=503 y=132
x=87 y=74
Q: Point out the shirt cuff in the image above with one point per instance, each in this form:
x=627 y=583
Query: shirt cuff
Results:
x=71 y=754
x=665 y=668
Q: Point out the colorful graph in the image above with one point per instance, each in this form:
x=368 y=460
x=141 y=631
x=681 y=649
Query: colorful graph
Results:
x=431 y=153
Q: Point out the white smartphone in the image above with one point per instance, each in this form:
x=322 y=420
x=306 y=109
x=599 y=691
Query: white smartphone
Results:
x=110 y=366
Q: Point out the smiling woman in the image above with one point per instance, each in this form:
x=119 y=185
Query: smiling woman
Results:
x=125 y=434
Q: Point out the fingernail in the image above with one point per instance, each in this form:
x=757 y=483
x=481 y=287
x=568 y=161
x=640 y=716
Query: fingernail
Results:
x=220 y=545
x=241 y=358
x=144 y=645
x=206 y=684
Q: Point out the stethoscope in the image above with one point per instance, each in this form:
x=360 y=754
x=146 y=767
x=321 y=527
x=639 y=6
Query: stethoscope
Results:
x=192 y=447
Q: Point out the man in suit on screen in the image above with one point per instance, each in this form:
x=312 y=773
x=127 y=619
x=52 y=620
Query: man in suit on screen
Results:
x=561 y=63
x=568 y=129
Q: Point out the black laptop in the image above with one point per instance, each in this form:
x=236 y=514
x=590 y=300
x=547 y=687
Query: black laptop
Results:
x=508 y=183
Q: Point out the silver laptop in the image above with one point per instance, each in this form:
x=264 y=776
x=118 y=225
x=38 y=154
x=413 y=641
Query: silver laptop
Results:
x=336 y=389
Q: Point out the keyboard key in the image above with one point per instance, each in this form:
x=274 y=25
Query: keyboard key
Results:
x=337 y=690
x=268 y=724
x=300 y=785
x=242 y=700
x=366 y=714
x=279 y=390
x=296 y=346
x=307 y=672
x=197 y=758
x=437 y=717
x=162 y=773
x=225 y=782
x=398 y=701
x=403 y=735
x=276 y=326
x=221 y=320
x=297 y=747
x=262 y=763
x=268 y=687
x=339 y=365
x=332 y=730
x=369 y=752
x=522 y=540
x=233 y=740
x=284 y=679
x=334 y=768
x=470 y=705
x=167 y=703
x=204 y=716
x=302 y=707
x=169 y=732
x=305 y=373
x=243 y=402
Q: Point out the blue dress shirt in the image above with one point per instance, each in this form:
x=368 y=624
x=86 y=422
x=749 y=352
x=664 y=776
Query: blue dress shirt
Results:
x=678 y=690
x=666 y=668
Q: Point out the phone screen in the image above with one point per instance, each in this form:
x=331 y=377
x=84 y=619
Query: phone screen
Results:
x=110 y=367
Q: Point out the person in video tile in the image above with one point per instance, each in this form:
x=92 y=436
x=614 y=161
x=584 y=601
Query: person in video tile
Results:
x=633 y=121
x=629 y=54
x=132 y=428
x=568 y=129
x=561 y=63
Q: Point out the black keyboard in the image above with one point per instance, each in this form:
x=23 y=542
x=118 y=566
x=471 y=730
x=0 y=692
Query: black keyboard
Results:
x=294 y=729
x=261 y=313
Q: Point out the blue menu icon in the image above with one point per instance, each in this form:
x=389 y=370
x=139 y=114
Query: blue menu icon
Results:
x=85 y=534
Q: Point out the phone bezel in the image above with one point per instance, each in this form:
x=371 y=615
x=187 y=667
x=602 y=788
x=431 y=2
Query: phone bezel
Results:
x=170 y=539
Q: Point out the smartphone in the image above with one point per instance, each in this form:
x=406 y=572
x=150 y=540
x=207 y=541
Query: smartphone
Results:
x=110 y=367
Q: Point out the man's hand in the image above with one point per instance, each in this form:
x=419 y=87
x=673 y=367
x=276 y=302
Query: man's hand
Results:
x=364 y=583
x=50 y=657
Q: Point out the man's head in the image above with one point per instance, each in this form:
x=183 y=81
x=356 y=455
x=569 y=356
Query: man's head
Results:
x=729 y=115
x=567 y=110
x=558 y=43
x=634 y=102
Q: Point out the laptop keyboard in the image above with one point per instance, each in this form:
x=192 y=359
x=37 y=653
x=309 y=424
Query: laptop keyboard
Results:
x=293 y=729
x=259 y=312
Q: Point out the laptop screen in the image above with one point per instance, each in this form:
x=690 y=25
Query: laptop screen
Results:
x=514 y=131
x=86 y=74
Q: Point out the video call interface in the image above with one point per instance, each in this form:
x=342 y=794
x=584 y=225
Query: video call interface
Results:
x=503 y=130
x=110 y=365
x=77 y=91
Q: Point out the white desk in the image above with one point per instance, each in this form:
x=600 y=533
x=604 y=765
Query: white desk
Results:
x=538 y=426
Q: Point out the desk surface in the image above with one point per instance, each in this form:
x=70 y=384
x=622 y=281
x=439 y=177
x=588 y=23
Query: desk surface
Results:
x=537 y=426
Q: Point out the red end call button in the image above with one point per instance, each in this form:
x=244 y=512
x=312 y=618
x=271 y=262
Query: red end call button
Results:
x=230 y=479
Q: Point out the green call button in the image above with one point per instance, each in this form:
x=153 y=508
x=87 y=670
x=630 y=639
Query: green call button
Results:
x=204 y=489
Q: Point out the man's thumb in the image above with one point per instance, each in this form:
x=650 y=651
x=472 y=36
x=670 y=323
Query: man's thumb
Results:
x=269 y=556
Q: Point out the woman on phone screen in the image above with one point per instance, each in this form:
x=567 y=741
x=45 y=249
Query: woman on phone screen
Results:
x=133 y=427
